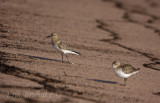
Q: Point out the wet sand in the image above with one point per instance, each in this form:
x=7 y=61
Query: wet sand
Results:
x=103 y=31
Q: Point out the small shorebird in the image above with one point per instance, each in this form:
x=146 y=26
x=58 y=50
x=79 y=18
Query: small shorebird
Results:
x=124 y=70
x=60 y=46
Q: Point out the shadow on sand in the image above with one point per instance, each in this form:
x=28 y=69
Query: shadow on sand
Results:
x=43 y=58
x=103 y=81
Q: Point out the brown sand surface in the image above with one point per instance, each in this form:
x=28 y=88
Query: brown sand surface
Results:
x=103 y=31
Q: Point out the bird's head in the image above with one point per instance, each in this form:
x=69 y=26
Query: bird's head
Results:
x=116 y=64
x=54 y=36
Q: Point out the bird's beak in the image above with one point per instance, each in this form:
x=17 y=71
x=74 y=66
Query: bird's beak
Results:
x=48 y=36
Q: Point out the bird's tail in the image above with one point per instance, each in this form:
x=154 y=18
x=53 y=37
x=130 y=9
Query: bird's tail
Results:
x=72 y=52
x=77 y=53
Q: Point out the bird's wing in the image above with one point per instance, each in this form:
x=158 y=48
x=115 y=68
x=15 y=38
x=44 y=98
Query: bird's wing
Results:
x=64 y=46
x=127 y=68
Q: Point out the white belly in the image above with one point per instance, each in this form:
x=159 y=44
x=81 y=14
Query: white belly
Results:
x=122 y=74
x=58 y=49
x=63 y=51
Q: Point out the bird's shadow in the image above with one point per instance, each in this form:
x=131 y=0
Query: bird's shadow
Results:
x=103 y=81
x=44 y=58
x=157 y=93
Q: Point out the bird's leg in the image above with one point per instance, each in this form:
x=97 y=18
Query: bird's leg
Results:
x=125 y=79
x=67 y=59
x=62 y=57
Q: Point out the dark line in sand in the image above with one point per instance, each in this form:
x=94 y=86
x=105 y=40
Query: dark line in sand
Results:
x=19 y=72
x=101 y=25
x=138 y=10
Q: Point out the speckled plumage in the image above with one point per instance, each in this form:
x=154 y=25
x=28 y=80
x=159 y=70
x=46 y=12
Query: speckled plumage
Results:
x=64 y=46
x=60 y=46
x=127 y=68
x=124 y=70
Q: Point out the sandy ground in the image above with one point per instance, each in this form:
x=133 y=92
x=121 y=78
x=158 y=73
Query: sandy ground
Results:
x=103 y=31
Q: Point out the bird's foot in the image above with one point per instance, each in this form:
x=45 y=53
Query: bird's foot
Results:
x=69 y=62
x=123 y=84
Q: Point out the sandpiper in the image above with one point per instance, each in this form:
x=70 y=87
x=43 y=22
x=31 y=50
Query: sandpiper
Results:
x=124 y=70
x=60 y=46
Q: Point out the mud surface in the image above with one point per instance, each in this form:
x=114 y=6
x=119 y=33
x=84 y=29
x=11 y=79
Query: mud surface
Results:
x=103 y=31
